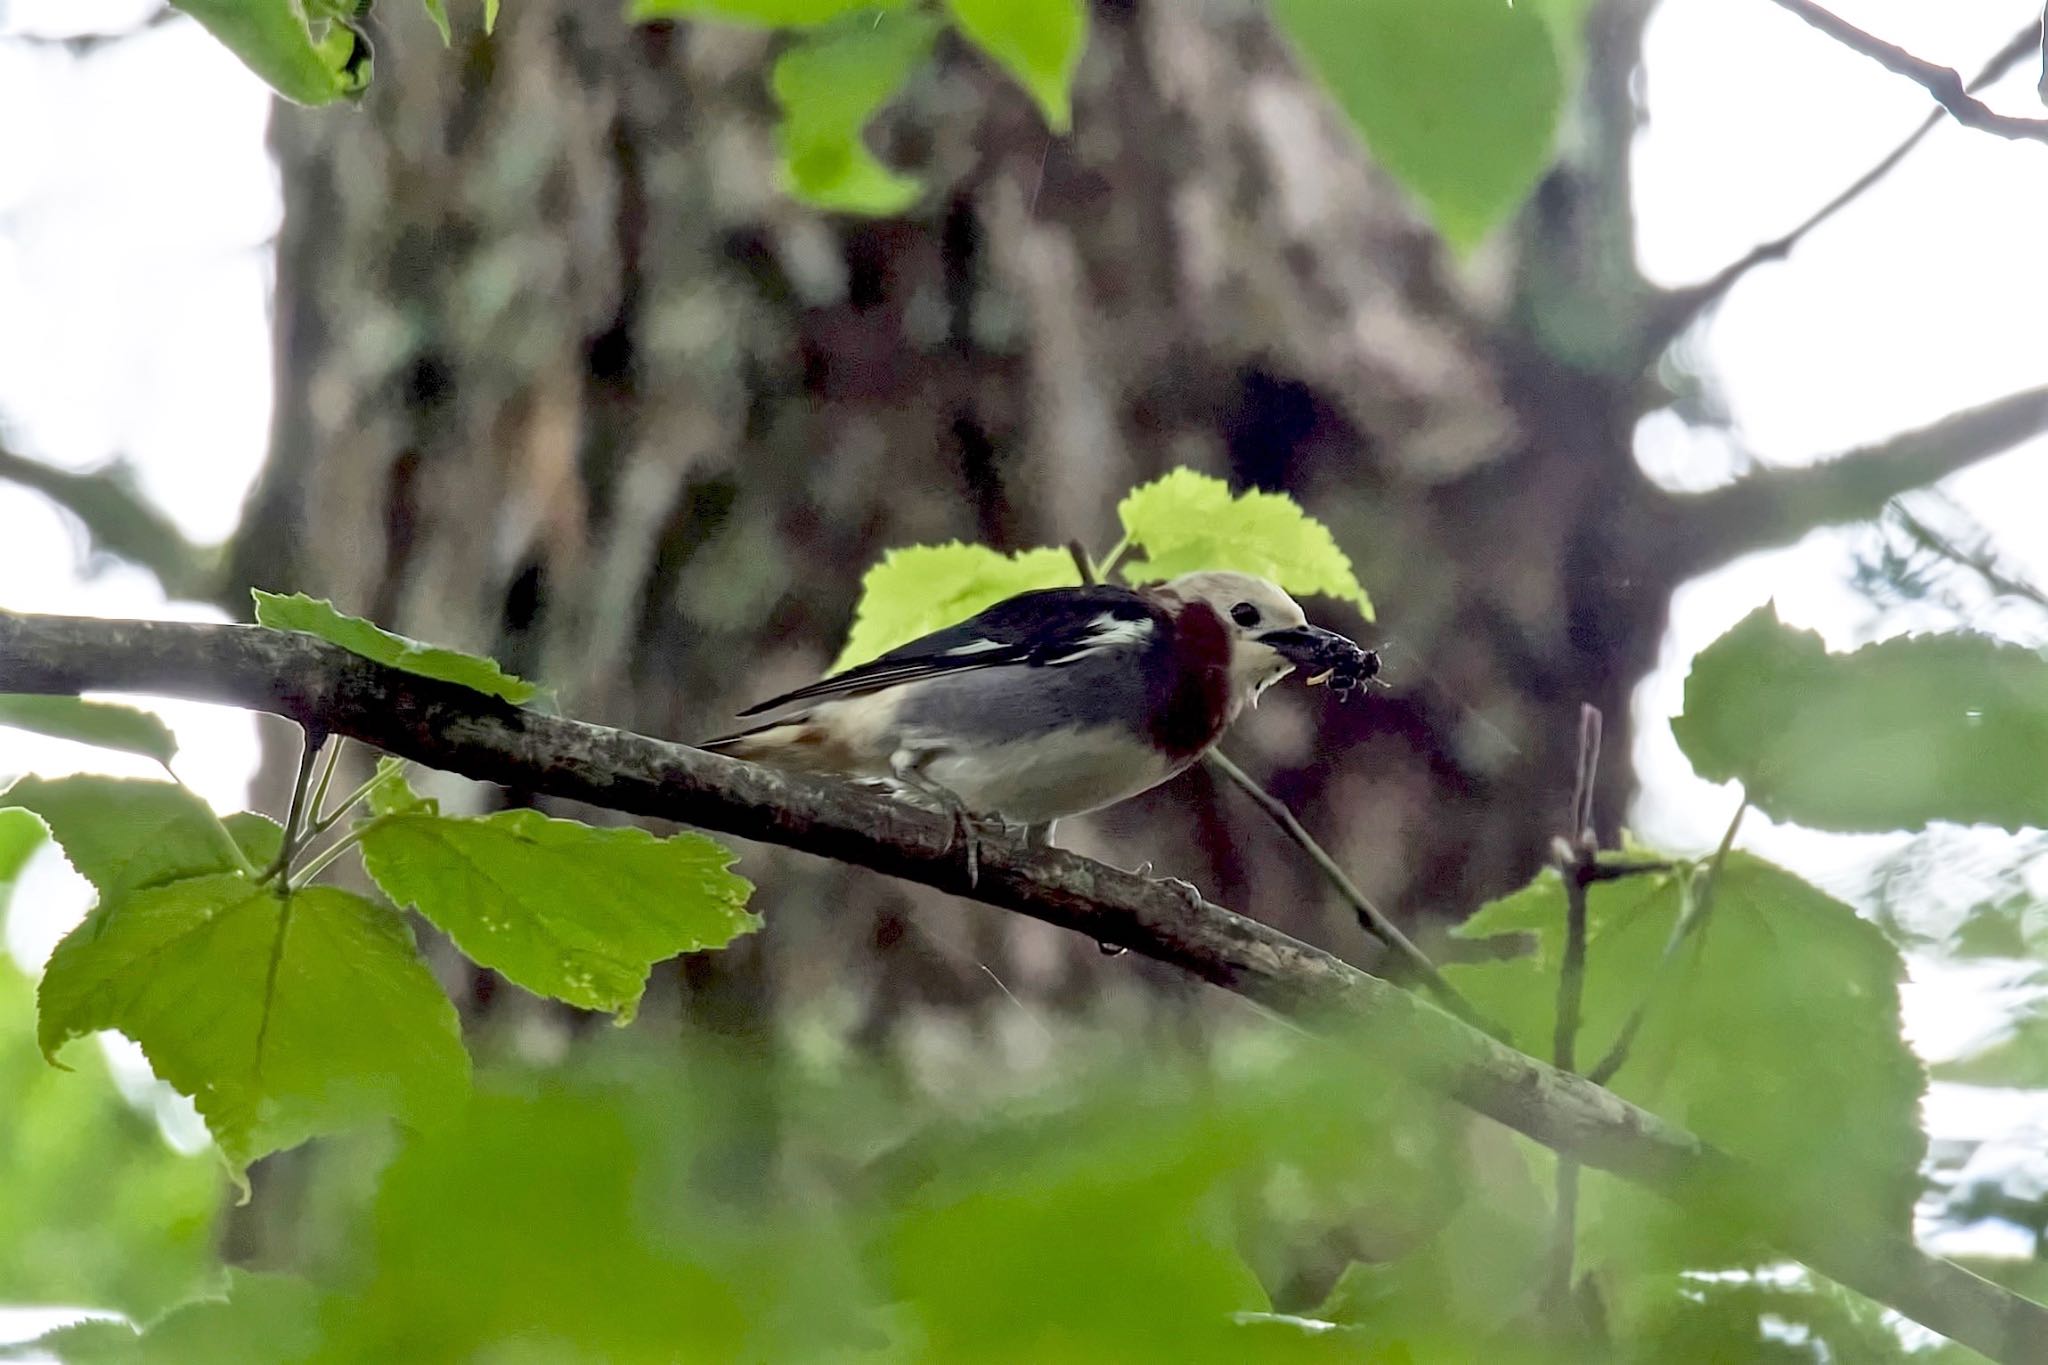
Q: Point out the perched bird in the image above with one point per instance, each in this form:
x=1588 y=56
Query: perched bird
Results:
x=1053 y=702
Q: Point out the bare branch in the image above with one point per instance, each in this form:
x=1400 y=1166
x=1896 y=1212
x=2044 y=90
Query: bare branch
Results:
x=120 y=521
x=1083 y=565
x=1779 y=506
x=1677 y=309
x=1370 y=917
x=87 y=44
x=466 y=732
x=1980 y=559
x=1942 y=82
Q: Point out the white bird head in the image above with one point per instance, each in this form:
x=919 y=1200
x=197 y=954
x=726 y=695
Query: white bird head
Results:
x=1269 y=633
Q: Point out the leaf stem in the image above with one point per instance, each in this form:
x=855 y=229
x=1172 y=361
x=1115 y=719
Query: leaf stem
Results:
x=1110 y=561
x=326 y=781
x=348 y=803
x=320 y=862
x=310 y=743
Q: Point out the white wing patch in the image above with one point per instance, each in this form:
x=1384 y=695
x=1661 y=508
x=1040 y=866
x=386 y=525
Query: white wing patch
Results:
x=1107 y=631
x=973 y=647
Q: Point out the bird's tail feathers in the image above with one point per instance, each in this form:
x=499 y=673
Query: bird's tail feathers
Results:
x=758 y=741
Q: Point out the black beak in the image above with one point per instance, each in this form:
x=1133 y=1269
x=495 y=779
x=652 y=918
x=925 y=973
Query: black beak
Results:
x=1309 y=647
x=1320 y=654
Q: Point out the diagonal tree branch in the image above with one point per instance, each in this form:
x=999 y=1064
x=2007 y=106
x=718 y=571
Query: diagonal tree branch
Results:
x=327 y=689
x=1675 y=311
x=1779 y=506
x=121 y=521
x=1942 y=82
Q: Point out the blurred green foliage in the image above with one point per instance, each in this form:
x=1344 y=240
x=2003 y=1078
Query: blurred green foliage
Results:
x=1895 y=735
x=91 y=722
x=1769 y=1011
x=1128 y=1203
x=1039 y=42
x=829 y=83
x=97 y=1209
x=1459 y=99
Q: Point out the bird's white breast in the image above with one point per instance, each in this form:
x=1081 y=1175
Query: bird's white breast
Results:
x=1050 y=776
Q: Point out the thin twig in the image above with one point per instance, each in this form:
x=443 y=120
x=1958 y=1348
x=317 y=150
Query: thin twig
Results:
x=2041 y=85
x=1083 y=564
x=1979 y=561
x=1571 y=975
x=1586 y=779
x=1576 y=854
x=1681 y=306
x=450 y=727
x=1370 y=917
x=1942 y=82
x=1691 y=921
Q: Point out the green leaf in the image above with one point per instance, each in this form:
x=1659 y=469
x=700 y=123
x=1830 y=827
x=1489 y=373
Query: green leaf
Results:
x=317 y=1014
x=920 y=588
x=1775 y=1036
x=258 y=836
x=91 y=722
x=125 y=835
x=21 y=834
x=261 y=1317
x=1893 y=736
x=1037 y=41
x=308 y=62
x=1187 y=521
x=566 y=910
x=317 y=616
x=437 y=11
x=99 y=1209
x=1458 y=99
x=586 y=1243
x=755 y=13
x=829 y=85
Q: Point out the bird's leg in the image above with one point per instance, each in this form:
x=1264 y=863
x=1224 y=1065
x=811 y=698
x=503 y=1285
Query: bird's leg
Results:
x=1186 y=890
x=908 y=769
x=1189 y=893
x=1040 y=835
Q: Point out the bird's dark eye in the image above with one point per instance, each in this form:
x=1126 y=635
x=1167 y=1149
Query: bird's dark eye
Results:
x=1245 y=614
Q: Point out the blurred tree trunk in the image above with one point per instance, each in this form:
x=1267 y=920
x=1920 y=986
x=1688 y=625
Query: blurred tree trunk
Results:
x=563 y=377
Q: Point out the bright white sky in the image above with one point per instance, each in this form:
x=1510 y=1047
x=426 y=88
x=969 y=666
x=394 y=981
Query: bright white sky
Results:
x=137 y=203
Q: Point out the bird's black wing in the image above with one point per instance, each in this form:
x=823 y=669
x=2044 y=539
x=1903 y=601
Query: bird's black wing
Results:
x=1044 y=626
